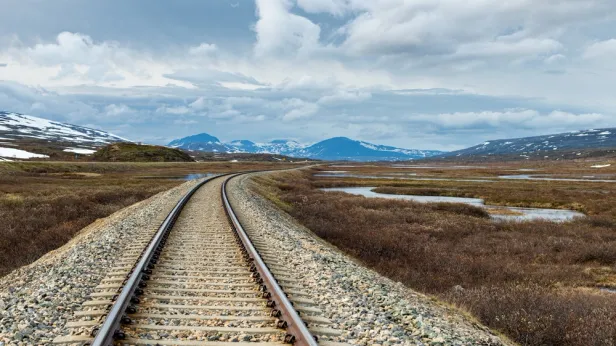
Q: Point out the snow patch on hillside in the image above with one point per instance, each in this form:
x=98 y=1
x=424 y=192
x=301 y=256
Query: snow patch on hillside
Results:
x=19 y=154
x=27 y=126
x=80 y=151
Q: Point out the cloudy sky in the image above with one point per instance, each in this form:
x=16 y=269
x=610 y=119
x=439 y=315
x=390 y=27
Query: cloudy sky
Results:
x=427 y=74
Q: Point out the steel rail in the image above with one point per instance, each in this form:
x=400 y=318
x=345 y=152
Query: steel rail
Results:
x=110 y=330
x=297 y=332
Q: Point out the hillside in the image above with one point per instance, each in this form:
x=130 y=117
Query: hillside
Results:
x=19 y=126
x=561 y=145
x=338 y=148
x=27 y=137
x=131 y=152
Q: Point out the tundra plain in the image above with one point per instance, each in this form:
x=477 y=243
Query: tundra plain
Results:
x=44 y=204
x=538 y=282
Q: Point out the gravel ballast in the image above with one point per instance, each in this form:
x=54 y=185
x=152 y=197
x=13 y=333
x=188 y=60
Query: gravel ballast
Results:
x=37 y=300
x=369 y=308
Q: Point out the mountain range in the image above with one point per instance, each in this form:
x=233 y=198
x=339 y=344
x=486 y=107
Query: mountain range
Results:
x=24 y=136
x=544 y=145
x=337 y=148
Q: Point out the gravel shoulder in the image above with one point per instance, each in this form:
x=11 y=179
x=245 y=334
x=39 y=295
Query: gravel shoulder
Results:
x=369 y=308
x=37 y=300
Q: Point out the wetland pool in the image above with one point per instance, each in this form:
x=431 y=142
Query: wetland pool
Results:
x=517 y=214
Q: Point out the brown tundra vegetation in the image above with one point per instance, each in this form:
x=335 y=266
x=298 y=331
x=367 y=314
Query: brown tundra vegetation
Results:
x=43 y=204
x=536 y=282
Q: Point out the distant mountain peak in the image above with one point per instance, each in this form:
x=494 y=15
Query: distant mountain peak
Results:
x=340 y=139
x=201 y=137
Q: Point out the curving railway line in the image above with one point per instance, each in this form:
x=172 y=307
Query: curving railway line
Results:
x=200 y=279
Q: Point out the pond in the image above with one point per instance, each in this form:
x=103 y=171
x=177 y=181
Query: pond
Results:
x=519 y=214
x=532 y=177
x=194 y=176
x=191 y=176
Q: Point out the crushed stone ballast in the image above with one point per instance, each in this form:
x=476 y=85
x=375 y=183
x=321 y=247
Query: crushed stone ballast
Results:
x=199 y=279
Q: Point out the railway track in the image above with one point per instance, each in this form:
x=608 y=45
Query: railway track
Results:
x=199 y=279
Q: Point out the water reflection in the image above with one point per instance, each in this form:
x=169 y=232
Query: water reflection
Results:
x=520 y=214
x=194 y=176
x=191 y=176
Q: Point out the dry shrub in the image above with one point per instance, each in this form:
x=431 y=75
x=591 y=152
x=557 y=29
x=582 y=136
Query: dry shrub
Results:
x=421 y=191
x=462 y=209
x=47 y=212
x=43 y=204
x=535 y=315
x=513 y=274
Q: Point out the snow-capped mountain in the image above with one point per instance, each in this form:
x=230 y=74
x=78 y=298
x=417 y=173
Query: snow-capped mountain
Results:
x=27 y=137
x=343 y=148
x=14 y=126
x=338 y=148
x=587 y=139
x=200 y=142
x=209 y=143
x=279 y=147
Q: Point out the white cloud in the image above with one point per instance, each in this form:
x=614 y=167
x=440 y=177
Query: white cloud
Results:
x=75 y=48
x=308 y=82
x=185 y=121
x=203 y=49
x=279 y=32
x=295 y=109
x=115 y=110
x=302 y=112
x=334 y=7
x=478 y=28
x=76 y=59
x=519 y=118
x=555 y=59
x=174 y=110
x=602 y=49
x=344 y=96
x=199 y=104
x=527 y=47
x=240 y=86
x=242 y=119
x=331 y=67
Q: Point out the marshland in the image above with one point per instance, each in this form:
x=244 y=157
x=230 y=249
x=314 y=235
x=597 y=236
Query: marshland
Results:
x=538 y=282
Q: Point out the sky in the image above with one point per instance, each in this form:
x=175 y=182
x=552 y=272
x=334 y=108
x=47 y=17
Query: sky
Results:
x=423 y=74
